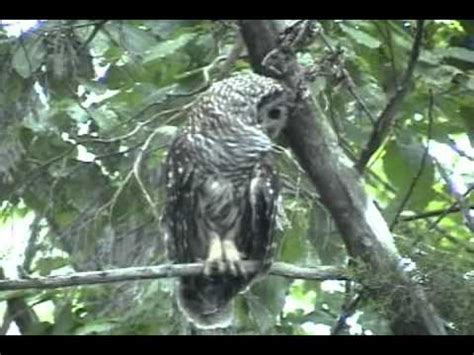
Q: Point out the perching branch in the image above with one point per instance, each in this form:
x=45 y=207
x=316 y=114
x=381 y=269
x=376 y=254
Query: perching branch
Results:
x=387 y=117
x=320 y=273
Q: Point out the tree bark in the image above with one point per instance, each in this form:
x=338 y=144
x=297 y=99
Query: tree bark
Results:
x=364 y=231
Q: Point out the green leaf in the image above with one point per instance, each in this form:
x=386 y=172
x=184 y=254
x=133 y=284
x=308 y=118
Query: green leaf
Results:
x=97 y=327
x=130 y=37
x=106 y=119
x=459 y=53
x=167 y=48
x=167 y=28
x=29 y=56
x=361 y=37
x=12 y=89
x=293 y=248
x=260 y=314
x=323 y=236
x=467 y=115
x=119 y=77
x=47 y=264
x=272 y=291
x=64 y=320
x=401 y=164
x=136 y=40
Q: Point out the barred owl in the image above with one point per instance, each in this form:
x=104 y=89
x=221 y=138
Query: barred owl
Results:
x=221 y=193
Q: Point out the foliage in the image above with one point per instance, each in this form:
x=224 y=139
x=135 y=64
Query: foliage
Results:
x=80 y=99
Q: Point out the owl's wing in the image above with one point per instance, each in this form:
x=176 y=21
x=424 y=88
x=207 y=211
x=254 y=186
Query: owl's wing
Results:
x=260 y=215
x=177 y=221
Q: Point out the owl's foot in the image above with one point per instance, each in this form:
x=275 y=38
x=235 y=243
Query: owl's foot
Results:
x=214 y=266
x=223 y=257
x=232 y=258
x=215 y=260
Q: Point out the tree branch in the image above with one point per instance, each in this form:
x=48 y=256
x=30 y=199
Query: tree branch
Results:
x=387 y=117
x=411 y=188
x=349 y=83
x=94 y=32
x=441 y=212
x=362 y=227
x=320 y=273
x=450 y=209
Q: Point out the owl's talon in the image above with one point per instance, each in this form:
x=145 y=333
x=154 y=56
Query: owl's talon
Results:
x=221 y=267
x=209 y=267
x=232 y=258
x=236 y=268
x=213 y=267
x=232 y=268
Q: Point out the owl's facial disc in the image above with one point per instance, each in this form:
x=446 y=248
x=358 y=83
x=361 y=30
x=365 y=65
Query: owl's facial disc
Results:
x=273 y=118
x=274 y=114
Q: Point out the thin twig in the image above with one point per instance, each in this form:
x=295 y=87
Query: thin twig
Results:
x=468 y=248
x=33 y=175
x=445 y=211
x=94 y=32
x=165 y=271
x=136 y=172
x=348 y=311
x=459 y=151
x=67 y=27
x=387 y=36
x=422 y=163
x=116 y=195
x=142 y=124
x=351 y=87
x=233 y=56
x=138 y=161
x=387 y=117
x=349 y=82
x=454 y=205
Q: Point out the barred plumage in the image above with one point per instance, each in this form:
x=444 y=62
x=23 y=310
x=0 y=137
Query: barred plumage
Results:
x=221 y=192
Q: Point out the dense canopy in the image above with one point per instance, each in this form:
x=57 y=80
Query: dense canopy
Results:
x=88 y=108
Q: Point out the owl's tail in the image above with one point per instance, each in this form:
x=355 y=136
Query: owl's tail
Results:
x=207 y=302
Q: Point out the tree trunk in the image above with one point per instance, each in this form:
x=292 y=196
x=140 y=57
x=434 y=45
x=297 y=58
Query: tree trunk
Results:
x=364 y=231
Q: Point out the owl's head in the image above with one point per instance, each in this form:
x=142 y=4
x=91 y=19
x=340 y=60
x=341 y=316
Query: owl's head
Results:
x=271 y=102
x=273 y=111
x=243 y=101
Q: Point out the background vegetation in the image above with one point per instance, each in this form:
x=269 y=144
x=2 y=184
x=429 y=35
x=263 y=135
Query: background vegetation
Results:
x=87 y=109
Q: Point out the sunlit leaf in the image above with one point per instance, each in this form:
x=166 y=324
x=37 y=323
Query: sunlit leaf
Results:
x=361 y=37
x=168 y=47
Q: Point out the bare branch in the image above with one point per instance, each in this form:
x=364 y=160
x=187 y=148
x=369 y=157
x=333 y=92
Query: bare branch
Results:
x=348 y=311
x=233 y=56
x=165 y=271
x=94 y=32
x=452 y=209
x=422 y=164
x=349 y=83
x=387 y=117
x=136 y=172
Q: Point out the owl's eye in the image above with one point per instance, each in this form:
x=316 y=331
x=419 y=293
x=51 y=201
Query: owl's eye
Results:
x=274 y=113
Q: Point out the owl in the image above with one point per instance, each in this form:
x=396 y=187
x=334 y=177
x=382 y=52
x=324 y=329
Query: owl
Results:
x=221 y=193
